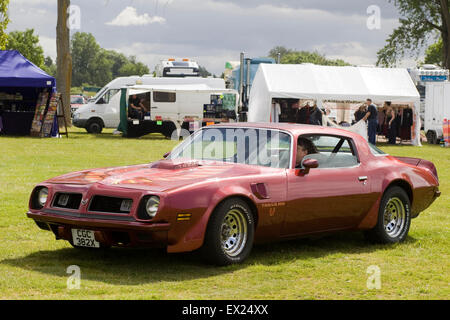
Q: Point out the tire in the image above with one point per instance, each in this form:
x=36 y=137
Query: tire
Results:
x=94 y=126
x=394 y=217
x=222 y=246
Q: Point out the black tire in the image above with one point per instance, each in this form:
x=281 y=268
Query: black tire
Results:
x=215 y=249
x=396 y=208
x=94 y=126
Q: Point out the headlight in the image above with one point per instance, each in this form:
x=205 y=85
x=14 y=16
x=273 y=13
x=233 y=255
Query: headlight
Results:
x=39 y=198
x=152 y=206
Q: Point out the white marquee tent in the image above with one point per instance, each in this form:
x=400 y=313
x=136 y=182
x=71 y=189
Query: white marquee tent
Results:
x=320 y=83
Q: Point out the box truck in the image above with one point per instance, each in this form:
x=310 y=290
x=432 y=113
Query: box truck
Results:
x=437 y=108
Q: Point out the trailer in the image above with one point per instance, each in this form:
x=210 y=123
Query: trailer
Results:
x=437 y=108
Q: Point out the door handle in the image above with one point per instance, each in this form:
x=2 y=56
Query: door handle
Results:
x=362 y=178
x=154 y=107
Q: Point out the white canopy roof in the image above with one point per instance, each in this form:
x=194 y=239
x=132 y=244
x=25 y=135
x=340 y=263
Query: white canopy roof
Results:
x=328 y=83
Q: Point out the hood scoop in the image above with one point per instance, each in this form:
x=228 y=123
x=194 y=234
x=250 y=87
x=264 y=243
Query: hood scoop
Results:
x=174 y=165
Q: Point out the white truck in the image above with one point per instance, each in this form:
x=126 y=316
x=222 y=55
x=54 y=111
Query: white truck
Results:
x=437 y=108
x=177 y=68
x=102 y=111
x=182 y=106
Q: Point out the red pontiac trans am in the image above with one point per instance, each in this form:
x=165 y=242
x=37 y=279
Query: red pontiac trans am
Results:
x=229 y=186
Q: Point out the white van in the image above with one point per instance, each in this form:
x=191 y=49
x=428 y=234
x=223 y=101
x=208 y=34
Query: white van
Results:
x=437 y=108
x=102 y=111
x=170 y=107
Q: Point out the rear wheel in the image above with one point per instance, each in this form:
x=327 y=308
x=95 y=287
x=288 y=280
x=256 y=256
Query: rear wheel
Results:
x=394 y=217
x=94 y=126
x=230 y=233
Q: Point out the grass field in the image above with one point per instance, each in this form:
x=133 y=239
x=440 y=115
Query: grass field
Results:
x=33 y=265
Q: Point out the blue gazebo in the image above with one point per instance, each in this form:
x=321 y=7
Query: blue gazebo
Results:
x=21 y=82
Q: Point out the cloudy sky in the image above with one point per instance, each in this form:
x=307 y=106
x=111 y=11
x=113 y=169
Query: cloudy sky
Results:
x=215 y=31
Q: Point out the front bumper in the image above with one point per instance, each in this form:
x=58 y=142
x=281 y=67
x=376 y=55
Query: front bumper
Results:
x=79 y=123
x=109 y=230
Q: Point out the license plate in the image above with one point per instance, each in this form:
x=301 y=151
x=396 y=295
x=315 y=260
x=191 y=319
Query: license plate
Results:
x=84 y=238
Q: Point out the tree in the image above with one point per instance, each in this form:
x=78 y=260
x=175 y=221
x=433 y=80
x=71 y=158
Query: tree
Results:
x=434 y=54
x=85 y=51
x=64 y=59
x=27 y=43
x=273 y=53
x=96 y=66
x=421 y=20
x=203 y=72
x=4 y=20
x=49 y=67
x=289 y=56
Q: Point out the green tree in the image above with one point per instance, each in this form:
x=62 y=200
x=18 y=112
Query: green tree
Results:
x=96 y=66
x=434 y=54
x=289 y=56
x=420 y=21
x=203 y=72
x=273 y=53
x=49 y=66
x=27 y=43
x=4 y=20
x=85 y=51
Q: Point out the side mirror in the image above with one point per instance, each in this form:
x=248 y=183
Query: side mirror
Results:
x=166 y=154
x=307 y=164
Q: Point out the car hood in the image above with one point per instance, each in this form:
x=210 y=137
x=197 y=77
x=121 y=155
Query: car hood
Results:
x=160 y=176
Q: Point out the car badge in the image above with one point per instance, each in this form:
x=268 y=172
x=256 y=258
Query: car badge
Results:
x=84 y=201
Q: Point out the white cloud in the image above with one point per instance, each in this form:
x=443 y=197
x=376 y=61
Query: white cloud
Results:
x=49 y=46
x=130 y=17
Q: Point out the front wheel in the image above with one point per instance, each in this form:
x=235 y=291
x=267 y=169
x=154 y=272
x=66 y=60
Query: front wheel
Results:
x=230 y=233
x=394 y=217
x=94 y=126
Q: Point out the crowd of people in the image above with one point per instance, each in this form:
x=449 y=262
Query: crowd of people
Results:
x=391 y=122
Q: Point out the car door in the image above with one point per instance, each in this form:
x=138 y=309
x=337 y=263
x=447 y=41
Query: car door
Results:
x=108 y=107
x=333 y=196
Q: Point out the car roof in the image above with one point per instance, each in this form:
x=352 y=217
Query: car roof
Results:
x=294 y=128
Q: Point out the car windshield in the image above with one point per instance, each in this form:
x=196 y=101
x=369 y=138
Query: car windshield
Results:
x=76 y=100
x=264 y=147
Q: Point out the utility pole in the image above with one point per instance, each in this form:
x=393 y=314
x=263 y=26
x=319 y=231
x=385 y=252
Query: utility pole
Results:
x=64 y=59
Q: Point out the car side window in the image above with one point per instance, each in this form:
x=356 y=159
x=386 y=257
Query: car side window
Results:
x=333 y=151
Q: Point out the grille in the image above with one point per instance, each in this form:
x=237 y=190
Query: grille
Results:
x=111 y=205
x=67 y=200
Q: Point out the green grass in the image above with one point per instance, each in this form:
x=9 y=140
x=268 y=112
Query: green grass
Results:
x=33 y=265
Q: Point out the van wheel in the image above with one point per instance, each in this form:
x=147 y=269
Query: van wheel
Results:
x=94 y=126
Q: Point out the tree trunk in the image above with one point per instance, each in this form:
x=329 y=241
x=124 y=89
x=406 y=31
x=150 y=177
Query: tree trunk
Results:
x=64 y=59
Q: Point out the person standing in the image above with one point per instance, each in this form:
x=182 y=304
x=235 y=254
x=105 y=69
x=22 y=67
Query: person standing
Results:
x=360 y=113
x=392 y=123
x=372 y=118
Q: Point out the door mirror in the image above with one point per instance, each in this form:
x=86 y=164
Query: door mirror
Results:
x=307 y=165
x=166 y=154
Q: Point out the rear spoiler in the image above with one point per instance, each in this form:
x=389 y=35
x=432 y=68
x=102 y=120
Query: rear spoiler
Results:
x=422 y=163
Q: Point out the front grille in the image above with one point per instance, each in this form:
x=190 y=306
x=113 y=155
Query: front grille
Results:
x=67 y=200
x=111 y=205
